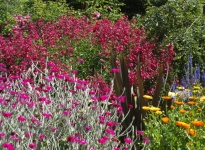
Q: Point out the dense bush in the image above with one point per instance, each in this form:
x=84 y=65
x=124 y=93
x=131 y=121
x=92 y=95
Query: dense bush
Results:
x=182 y=23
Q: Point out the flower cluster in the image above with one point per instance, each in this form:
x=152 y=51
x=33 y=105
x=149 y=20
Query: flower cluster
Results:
x=40 y=109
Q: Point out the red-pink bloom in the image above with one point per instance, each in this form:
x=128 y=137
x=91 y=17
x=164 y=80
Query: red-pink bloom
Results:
x=21 y=119
x=140 y=132
x=32 y=145
x=115 y=70
x=103 y=140
x=28 y=134
x=71 y=139
x=96 y=15
x=110 y=131
x=110 y=123
x=2 y=135
x=129 y=106
x=146 y=140
x=116 y=148
x=47 y=115
x=41 y=136
x=9 y=146
x=7 y=114
x=127 y=140
x=88 y=128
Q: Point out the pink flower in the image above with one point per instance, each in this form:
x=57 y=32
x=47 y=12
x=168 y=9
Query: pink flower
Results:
x=81 y=60
x=103 y=140
x=7 y=114
x=110 y=131
x=88 y=128
x=146 y=140
x=21 y=119
x=127 y=140
x=28 y=134
x=47 y=115
x=32 y=145
x=96 y=15
x=110 y=124
x=9 y=146
x=41 y=136
x=116 y=148
x=114 y=70
x=2 y=135
x=140 y=132
x=71 y=139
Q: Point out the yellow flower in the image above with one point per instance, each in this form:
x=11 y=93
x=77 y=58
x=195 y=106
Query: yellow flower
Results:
x=182 y=124
x=172 y=107
x=202 y=98
x=172 y=94
x=147 y=97
x=158 y=112
x=196 y=87
x=154 y=109
x=180 y=88
x=196 y=91
x=165 y=120
x=146 y=108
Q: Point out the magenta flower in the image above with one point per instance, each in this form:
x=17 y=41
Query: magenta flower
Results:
x=42 y=99
x=96 y=15
x=28 y=134
x=2 y=135
x=81 y=60
x=83 y=142
x=47 y=115
x=9 y=146
x=88 y=128
x=110 y=131
x=115 y=70
x=41 y=136
x=127 y=140
x=140 y=132
x=110 y=124
x=71 y=139
x=103 y=140
x=7 y=114
x=21 y=119
x=146 y=140
x=116 y=148
x=32 y=145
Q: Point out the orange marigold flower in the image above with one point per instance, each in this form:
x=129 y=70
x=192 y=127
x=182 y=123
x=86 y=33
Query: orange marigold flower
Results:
x=165 y=120
x=191 y=132
x=182 y=111
x=192 y=103
x=146 y=108
x=197 y=123
x=172 y=107
x=182 y=124
x=178 y=103
x=167 y=98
